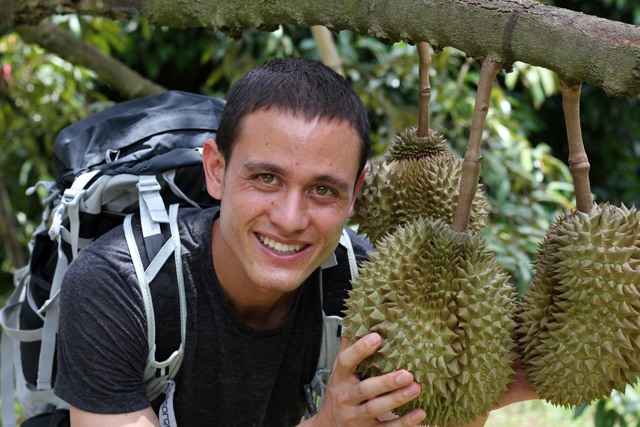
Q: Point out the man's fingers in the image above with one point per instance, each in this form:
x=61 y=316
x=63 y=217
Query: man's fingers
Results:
x=411 y=419
x=393 y=397
x=377 y=386
x=350 y=357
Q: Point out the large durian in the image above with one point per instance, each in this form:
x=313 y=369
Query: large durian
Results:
x=419 y=177
x=445 y=310
x=580 y=320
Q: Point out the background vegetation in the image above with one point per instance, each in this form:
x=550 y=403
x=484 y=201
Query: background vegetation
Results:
x=524 y=167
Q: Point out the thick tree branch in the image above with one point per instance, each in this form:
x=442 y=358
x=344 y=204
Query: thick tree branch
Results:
x=507 y=30
x=129 y=83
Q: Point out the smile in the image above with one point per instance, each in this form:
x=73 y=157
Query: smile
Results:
x=279 y=247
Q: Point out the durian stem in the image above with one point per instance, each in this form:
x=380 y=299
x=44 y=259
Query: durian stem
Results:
x=424 y=96
x=471 y=164
x=578 y=160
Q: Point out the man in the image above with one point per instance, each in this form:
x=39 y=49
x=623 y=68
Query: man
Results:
x=288 y=162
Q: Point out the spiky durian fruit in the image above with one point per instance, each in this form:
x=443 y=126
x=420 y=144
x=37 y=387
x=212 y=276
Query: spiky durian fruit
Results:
x=580 y=320
x=421 y=178
x=409 y=146
x=444 y=310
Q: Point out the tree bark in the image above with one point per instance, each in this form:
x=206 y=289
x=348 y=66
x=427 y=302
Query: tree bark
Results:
x=578 y=47
x=129 y=83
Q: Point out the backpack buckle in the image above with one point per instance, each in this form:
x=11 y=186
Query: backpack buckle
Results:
x=145 y=185
x=72 y=197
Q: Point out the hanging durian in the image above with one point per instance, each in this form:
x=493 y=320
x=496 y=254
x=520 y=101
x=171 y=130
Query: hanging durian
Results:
x=580 y=320
x=440 y=302
x=418 y=177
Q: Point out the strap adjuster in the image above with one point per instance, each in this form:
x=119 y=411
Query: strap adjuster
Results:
x=71 y=197
x=150 y=185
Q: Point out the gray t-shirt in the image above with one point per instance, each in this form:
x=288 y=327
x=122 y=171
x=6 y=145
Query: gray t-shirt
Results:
x=231 y=375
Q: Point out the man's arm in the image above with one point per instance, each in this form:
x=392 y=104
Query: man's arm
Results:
x=143 y=418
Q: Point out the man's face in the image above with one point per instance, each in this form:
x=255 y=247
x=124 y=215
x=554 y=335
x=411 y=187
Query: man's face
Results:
x=285 y=196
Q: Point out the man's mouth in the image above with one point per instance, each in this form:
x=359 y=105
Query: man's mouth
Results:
x=279 y=247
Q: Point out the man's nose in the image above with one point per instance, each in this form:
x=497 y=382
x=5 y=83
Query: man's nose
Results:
x=290 y=212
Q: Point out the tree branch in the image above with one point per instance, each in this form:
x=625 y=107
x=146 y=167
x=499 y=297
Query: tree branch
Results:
x=507 y=30
x=129 y=83
x=327 y=48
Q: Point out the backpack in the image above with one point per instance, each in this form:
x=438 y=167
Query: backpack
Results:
x=141 y=156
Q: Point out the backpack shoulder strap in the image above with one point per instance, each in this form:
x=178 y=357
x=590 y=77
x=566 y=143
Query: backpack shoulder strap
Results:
x=159 y=376
x=331 y=329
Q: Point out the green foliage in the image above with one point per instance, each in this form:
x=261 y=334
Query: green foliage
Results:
x=618 y=410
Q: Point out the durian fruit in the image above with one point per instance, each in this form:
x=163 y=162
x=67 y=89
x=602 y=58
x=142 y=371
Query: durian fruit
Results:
x=580 y=320
x=444 y=309
x=409 y=146
x=420 y=177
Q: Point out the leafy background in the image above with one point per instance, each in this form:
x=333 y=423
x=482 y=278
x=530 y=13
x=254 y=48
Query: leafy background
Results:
x=524 y=169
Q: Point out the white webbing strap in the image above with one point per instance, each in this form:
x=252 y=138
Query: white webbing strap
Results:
x=50 y=328
x=168 y=368
x=142 y=281
x=8 y=380
x=71 y=201
x=167 y=414
x=10 y=333
x=331 y=333
x=152 y=210
x=170 y=178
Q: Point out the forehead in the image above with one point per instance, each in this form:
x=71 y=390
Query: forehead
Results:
x=278 y=134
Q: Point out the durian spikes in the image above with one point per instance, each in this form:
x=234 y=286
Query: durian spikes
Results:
x=444 y=309
x=409 y=146
x=424 y=96
x=578 y=160
x=471 y=165
x=580 y=319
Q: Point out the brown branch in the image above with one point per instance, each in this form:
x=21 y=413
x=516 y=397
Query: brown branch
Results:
x=471 y=164
x=424 y=95
x=129 y=83
x=327 y=48
x=578 y=160
x=576 y=46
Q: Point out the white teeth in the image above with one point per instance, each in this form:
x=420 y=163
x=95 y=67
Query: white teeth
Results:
x=279 y=247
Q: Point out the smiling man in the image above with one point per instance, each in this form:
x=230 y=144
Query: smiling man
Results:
x=287 y=164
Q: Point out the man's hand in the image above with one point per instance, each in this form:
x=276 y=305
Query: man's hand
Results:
x=352 y=402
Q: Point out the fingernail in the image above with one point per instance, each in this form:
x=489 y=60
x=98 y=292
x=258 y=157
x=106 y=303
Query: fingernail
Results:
x=412 y=390
x=372 y=340
x=404 y=378
x=418 y=415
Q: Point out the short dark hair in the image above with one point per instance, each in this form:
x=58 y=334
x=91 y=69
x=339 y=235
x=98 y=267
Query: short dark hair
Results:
x=297 y=85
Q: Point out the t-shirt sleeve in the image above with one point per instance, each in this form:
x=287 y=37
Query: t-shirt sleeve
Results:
x=102 y=340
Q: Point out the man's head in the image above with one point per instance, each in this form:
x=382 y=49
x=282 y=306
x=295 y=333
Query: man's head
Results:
x=298 y=86
x=287 y=167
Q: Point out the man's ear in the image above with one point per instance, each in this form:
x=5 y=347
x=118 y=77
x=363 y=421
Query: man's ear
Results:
x=358 y=186
x=213 y=163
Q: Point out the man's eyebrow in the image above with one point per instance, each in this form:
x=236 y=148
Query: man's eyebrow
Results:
x=264 y=167
x=257 y=166
x=339 y=183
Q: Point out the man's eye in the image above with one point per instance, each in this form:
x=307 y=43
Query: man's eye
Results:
x=267 y=178
x=321 y=190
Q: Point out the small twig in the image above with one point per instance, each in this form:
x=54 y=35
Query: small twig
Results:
x=424 y=96
x=578 y=160
x=471 y=164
